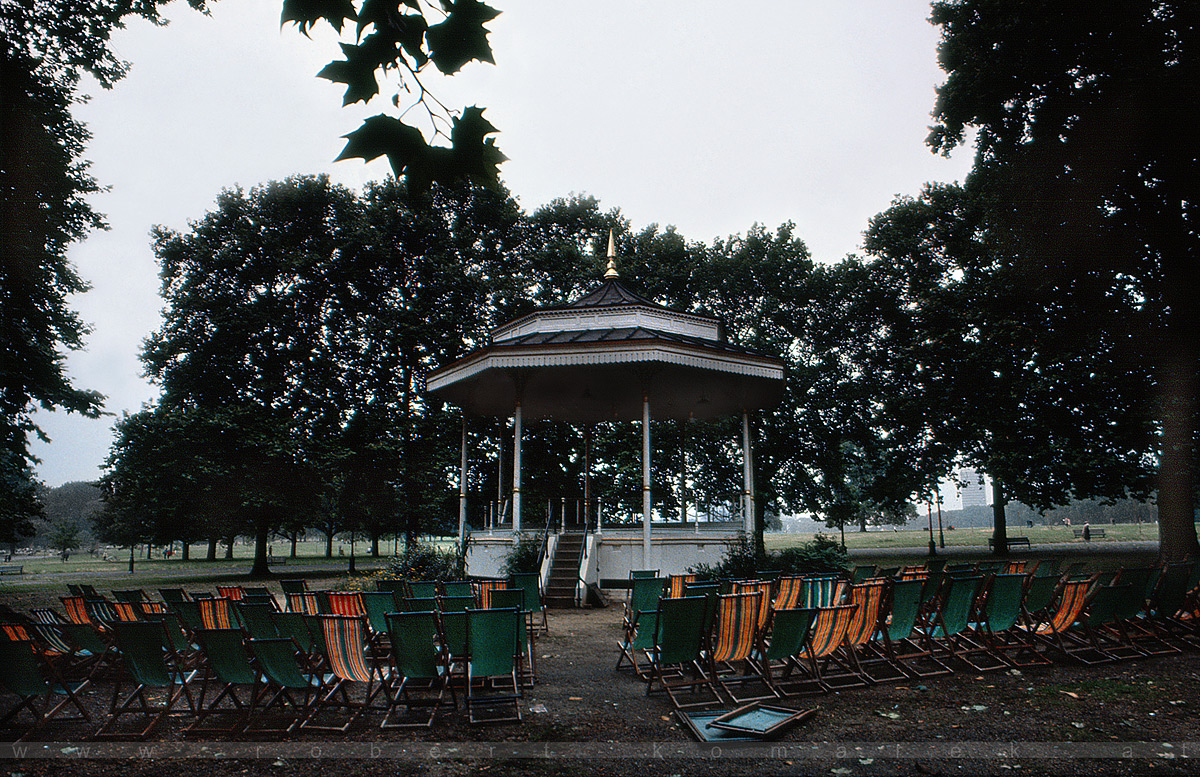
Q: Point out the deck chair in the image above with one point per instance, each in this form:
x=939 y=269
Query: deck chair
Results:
x=1169 y=605
x=493 y=690
x=52 y=646
x=907 y=648
x=178 y=638
x=420 y=669
x=226 y=668
x=644 y=593
x=915 y=572
x=1129 y=626
x=733 y=640
x=1052 y=629
x=231 y=592
x=281 y=678
x=217 y=613
x=763 y=587
x=130 y=596
x=999 y=616
x=952 y=623
x=38 y=686
x=862 y=572
x=638 y=641
x=535 y=606
x=458 y=588
x=423 y=604
x=483 y=592
x=154 y=669
x=292 y=626
x=506 y=598
x=188 y=613
x=675 y=659
x=78 y=612
x=421 y=589
x=821 y=591
x=376 y=606
x=828 y=631
x=257 y=620
x=347 y=603
x=861 y=654
x=778 y=654
x=676 y=584
x=152 y=608
x=455 y=603
x=454 y=636
x=304 y=602
x=787 y=592
x=296 y=586
x=345 y=652
x=173 y=595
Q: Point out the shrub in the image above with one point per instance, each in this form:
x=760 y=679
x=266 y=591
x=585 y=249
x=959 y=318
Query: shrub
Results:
x=425 y=562
x=823 y=554
x=525 y=556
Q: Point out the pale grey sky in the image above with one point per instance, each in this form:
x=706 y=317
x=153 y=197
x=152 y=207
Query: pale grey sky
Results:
x=708 y=116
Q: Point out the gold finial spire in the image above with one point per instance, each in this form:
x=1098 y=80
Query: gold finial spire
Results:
x=611 y=272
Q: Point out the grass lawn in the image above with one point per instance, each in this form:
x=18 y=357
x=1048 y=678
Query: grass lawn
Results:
x=1038 y=535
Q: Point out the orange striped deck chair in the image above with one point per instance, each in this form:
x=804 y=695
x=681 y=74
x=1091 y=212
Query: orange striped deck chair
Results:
x=677 y=583
x=345 y=651
x=483 y=592
x=346 y=603
x=153 y=608
x=1015 y=567
x=232 y=592
x=828 y=633
x=821 y=591
x=1071 y=602
x=217 y=614
x=764 y=603
x=78 y=612
x=913 y=573
x=865 y=660
x=16 y=632
x=788 y=593
x=303 y=603
x=735 y=637
x=124 y=611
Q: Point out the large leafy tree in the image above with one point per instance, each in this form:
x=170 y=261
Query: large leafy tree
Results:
x=1076 y=110
x=973 y=363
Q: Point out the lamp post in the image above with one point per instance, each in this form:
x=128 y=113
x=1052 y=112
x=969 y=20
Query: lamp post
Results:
x=941 y=534
x=932 y=544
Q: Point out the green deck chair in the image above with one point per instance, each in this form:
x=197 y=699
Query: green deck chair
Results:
x=377 y=605
x=676 y=656
x=458 y=588
x=130 y=596
x=257 y=619
x=177 y=637
x=454 y=636
x=155 y=670
x=422 y=604
x=420 y=669
x=507 y=598
x=998 y=630
x=294 y=586
x=173 y=594
x=281 y=678
x=421 y=589
x=455 y=603
x=535 y=607
x=779 y=654
x=226 y=668
x=644 y=593
x=493 y=689
x=638 y=640
x=1129 y=624
x=37 y=686
x=954 y=616
x=1169 y=604
x=904 y=644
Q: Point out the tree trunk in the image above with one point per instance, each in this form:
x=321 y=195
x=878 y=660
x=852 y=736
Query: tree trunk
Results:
x=229 y=548
x=184 y=551
x=212 y=549
x=374 y=543
x=1176 y=516
x=329 y=544
x=999 y=521
x=262 y=533
x=295 y=534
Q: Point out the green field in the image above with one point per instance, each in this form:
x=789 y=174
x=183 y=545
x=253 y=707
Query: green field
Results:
x=1038 y=535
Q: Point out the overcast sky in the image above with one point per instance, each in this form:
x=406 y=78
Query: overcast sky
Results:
x=704 y=115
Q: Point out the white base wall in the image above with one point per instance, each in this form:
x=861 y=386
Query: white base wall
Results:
x=615 y=555
x=487 y=552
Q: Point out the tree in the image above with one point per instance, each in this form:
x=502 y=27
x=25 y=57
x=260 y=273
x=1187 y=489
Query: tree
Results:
x=403 y=39
x=1081 y=173
x=975 y=365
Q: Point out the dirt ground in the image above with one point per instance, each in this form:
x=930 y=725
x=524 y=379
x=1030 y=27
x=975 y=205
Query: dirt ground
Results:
x=583 y=717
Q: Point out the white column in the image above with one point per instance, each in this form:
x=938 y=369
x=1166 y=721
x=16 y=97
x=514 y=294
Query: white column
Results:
x=462 y=486
x=645 y=481
x=516 y=502
x=748 y=474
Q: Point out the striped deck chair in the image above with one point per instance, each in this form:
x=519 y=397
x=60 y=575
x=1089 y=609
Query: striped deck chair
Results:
x=763 y=587
x=346 y=603
x=126 y=611
x=153 y=608
x=906 y=646
x=913 y=573
x=78 y=612
x=821 y=591
x=1014 y=567
x=483 y=592
x=217 y=614
x=1072 y=603
x=827 y=633
x=304 y=603
x=231 y=592
x=861 y=654
x=734 y=638
x=677 y=583
x=787 y=592
x=345 y=652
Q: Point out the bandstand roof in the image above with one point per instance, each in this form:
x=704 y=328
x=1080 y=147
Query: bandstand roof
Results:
x=592 y=359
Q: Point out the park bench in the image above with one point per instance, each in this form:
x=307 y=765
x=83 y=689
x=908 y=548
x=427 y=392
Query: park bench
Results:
x=1012 y=542
x=273 y=561
x=1092 y=532
x=12 y=569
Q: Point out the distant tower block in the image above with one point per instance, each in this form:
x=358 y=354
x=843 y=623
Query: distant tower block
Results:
x=973 y=488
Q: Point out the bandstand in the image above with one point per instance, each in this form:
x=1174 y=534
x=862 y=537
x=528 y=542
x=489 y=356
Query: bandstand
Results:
x=611 y=355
